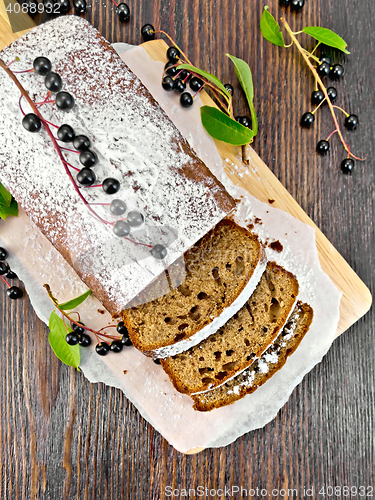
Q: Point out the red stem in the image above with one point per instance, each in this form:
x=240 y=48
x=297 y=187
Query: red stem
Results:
x=5 y=281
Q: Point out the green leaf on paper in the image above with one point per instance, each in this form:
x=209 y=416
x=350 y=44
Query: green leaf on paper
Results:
x=271 y=29
x=66 y=353
x=5 y=196
x=11 y=210
x=326 y=36
x=204 y=74
x=72 y=304
x=245 y=78
x=223 y=128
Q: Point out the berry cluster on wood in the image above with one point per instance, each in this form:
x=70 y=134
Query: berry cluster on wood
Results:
x=13 y=292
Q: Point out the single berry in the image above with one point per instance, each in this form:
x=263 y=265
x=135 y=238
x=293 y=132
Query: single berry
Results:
x=323 y=69
x=123 y=12
x=351 y=122
x=126 y=341
x=4 y=268
x=347 y=166
x=116 y=346
x=88 y=158
x=195 y=84
x=121 y=229
x=102 y=349
x=336 y=72
x=332 y=94
x=159 y=252
x=53 y=82
x=117 y=207
x=12 y=276
x=86 y=177
x=284 y=3
x=135 y=219
x=3 y=253
x=148 y=32
x=64 y=101
x=184 y=74
x=325 y=59
x=297 y=5
x=42 y=66
x=170 y=69
x=84 y=340
x=80 y=6
x=121 y=328
x=111 y=186
x=63 y=6
x=186 y=100
x=31 y=123
x=317 y=97
x=229 y=88
x=65 y=133
x=72 y=338
x=179 y=85
x=173 y=54
x=157 y=361
x=307 y=120
x=81 y=143
x=322 y=147
x=78 y=329
x=244 y=120
x=167 y=83
x=14 y=292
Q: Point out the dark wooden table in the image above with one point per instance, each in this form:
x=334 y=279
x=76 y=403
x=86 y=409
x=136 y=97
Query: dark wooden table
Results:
x=61 y=437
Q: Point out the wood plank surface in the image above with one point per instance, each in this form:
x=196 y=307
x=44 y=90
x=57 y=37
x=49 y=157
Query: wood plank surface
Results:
x=62 y=437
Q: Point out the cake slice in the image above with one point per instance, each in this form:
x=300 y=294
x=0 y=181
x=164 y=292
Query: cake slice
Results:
x=241 y=340
x=262 y=369
x=215 y=279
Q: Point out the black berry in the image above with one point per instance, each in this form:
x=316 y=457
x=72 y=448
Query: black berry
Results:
x=351 y=122
x=3 y=253
x=31 y=123
x=244 y=120
x=64 y=101
x=184 y=74
x=81 y=143
x=86 y=177
x=117 y=207
x=63 y=6
x=121 y=229
x=80 y=6
x=229 y=88
x=4 y=268
x=307 y=120
x=332 y=94
x=284 y=3
x=72 y=338
x=157 y=361
x=116 y=346
x=12 y=276
x=102 y=349
x=173 y=54
x=123 y=12
x=121 y=328
x=159 y=252
x=167 y=83
x=14 y=292
x=170 y=69
x=196 y=84
x=186 y=100
x=135 y=219
x=325 y=59
x=347 y=166
x=322 y=147
x=84 y=340
x=297 y=5
x=323 y=69
x=126 y=341
x=65 y=133
x=179 y=85
x=53 y=82
x=336 y=72
x=317 y=97
x=78 y=329
x=111 y=186
x=148 y=32
x=42 y=66
x=88 y=158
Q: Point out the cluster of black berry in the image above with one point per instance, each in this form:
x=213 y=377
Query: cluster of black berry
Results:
x=53 y=7
x=296 y=5
x=13 y=292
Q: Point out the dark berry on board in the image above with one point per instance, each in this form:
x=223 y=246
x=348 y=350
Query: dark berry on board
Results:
x=121 y=229
x=336 y=72
x=117 y=207
x=123 y=12
x=322 y=147
x=195 y=84
x=159 y=252
x=4 y=268
x=347 y=166
x=72 y=338
x=332 y=94
x=84 y=340
x=325 y=59
x=111 y=186
x=88 y=158
x=157 y=361
x=170 y=69
x=121 y=328
x=186 y=100
x=179 y=85
x=284 y=3
x=167 y=83
x=116 y=346
x=323 y=69
x=184 y=74
x=64 y=101
x=102 y=349
x=11 y=275
x=297 y=5
x=3 y=253
x=307 y=120
x=65 y=133
x=351 y=122
x=86 y=177
x=78 y=329
x=135 y=219
x=14 y=292
x=173 y=54
x=80 y=6
x=42 y=66
x=31 y=123
x=63 y=6
x=229 y=88
x=244 y=120
x=53 y=82
x=126 y=341
x=148 y=32
x=317 y=97
x=81 y=143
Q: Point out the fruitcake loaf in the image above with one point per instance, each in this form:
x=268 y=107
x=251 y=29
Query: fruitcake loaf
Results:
x=241 y=340
x=139 y=160
x=271 y=361
x=215 y=279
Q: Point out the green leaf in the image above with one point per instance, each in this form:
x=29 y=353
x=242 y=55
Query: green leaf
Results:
x=208 y=76
x=245 y=78
x=270 y=29
x=68 y=354
x=223 y=128
x=326 y=36
x=5 y=196
x=72 y=304
x=6 y=211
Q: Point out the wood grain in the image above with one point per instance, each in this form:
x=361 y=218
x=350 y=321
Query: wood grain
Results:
x=62 y=437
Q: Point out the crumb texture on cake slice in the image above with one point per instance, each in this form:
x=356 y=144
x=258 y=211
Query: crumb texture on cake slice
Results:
x=210 y=278
x=241 y=340
x=271 y=361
